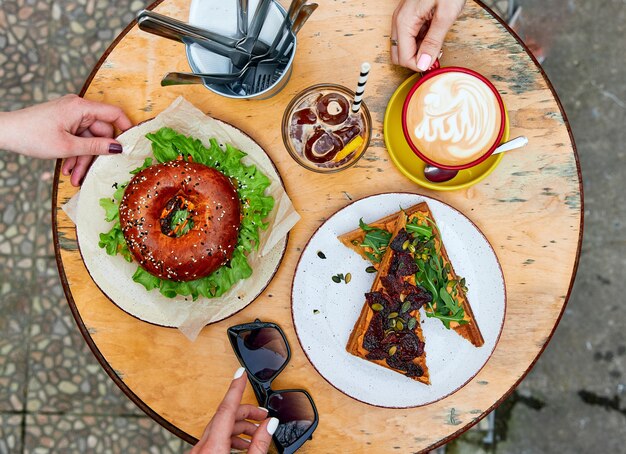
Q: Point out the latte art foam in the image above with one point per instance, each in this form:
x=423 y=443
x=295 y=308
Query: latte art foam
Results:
x=453 y=118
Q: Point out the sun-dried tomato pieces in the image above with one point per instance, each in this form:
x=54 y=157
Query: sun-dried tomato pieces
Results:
x=402 y=264
x=390 y=335
x=377 y=355
x=410 y=346
x=418 y=298
x=397 y=244
x=375 y=333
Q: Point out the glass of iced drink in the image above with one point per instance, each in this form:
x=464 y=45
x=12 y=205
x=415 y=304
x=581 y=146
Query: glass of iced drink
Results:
x=321 y=131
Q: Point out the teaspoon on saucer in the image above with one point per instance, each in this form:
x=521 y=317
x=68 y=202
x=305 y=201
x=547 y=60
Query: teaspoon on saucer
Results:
x=437 y=175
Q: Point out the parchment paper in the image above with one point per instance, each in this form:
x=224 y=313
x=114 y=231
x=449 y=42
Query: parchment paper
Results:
x=114 y=275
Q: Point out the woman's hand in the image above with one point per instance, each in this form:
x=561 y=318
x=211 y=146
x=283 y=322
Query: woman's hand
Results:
x=69 y=127
x=418 y=29
x=231 y=420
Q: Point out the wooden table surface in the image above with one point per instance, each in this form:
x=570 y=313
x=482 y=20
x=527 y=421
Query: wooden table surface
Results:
x=530 y=209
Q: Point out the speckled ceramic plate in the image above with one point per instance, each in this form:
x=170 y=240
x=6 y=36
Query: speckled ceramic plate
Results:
x=324 y=313
x=113 y=274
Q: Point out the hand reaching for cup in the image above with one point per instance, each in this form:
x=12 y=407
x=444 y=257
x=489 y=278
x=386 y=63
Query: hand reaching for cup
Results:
x=232 y=419
x=418 y=30
x=70 y=127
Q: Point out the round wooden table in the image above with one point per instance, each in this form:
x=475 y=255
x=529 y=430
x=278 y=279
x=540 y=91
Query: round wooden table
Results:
x=530 y=209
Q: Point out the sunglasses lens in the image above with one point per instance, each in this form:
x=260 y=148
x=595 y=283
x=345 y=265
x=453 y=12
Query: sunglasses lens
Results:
x=263 y=351
x=295 y=413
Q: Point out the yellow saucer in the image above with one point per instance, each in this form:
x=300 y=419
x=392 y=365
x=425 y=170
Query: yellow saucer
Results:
x=412 y=166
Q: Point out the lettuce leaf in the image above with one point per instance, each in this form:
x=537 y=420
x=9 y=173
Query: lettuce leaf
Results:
x=113 y=241
x=146 y=163
x=111 y=208
x=251 y=183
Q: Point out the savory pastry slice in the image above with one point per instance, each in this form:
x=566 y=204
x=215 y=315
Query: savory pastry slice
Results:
x=388 y=331
x=435 y=273
x=370 y=241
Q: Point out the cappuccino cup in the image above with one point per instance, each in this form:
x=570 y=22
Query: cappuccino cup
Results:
x=453 y=118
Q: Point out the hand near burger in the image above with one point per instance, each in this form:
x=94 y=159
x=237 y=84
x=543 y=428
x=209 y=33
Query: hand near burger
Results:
x=232 y=419
x=418 y=29
x=70 y=127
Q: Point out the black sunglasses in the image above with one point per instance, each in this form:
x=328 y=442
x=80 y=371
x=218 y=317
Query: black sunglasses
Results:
x=262 y=348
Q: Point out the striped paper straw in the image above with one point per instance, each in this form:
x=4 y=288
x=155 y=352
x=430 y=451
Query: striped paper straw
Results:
x=360 y=88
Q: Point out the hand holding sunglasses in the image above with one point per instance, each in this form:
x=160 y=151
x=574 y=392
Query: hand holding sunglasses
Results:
x=233 y=419
x=263 y=350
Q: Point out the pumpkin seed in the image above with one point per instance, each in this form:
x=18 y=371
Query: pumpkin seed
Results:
x=321 y=255
x=399 y=325
x=412 y=322
x=370 y=269
x=377 y=307
x=405 y=245
x=411 y=248
x=348 y=278
x=392 y=315
x=393 y=350
x=405 y=307
x=392 y=323
x=355 y=242
x=336 y=279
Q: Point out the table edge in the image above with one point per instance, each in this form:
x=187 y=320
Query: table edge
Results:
x=189 y=438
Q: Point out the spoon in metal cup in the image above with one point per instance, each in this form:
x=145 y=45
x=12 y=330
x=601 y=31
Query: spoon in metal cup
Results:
x=438 y=175
x=303 y=16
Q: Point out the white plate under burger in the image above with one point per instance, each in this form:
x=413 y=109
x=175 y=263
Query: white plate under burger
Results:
x=113 y=275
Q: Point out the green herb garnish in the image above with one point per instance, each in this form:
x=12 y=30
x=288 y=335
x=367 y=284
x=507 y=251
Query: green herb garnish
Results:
x=181 y=223
x=419 y=230
x=375 y=239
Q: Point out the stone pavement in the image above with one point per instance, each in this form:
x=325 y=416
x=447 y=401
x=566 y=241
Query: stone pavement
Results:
x=54 y=397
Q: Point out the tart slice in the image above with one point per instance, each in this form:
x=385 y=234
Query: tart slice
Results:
x=370 y=241
x=388 y=331
x=435 y=273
